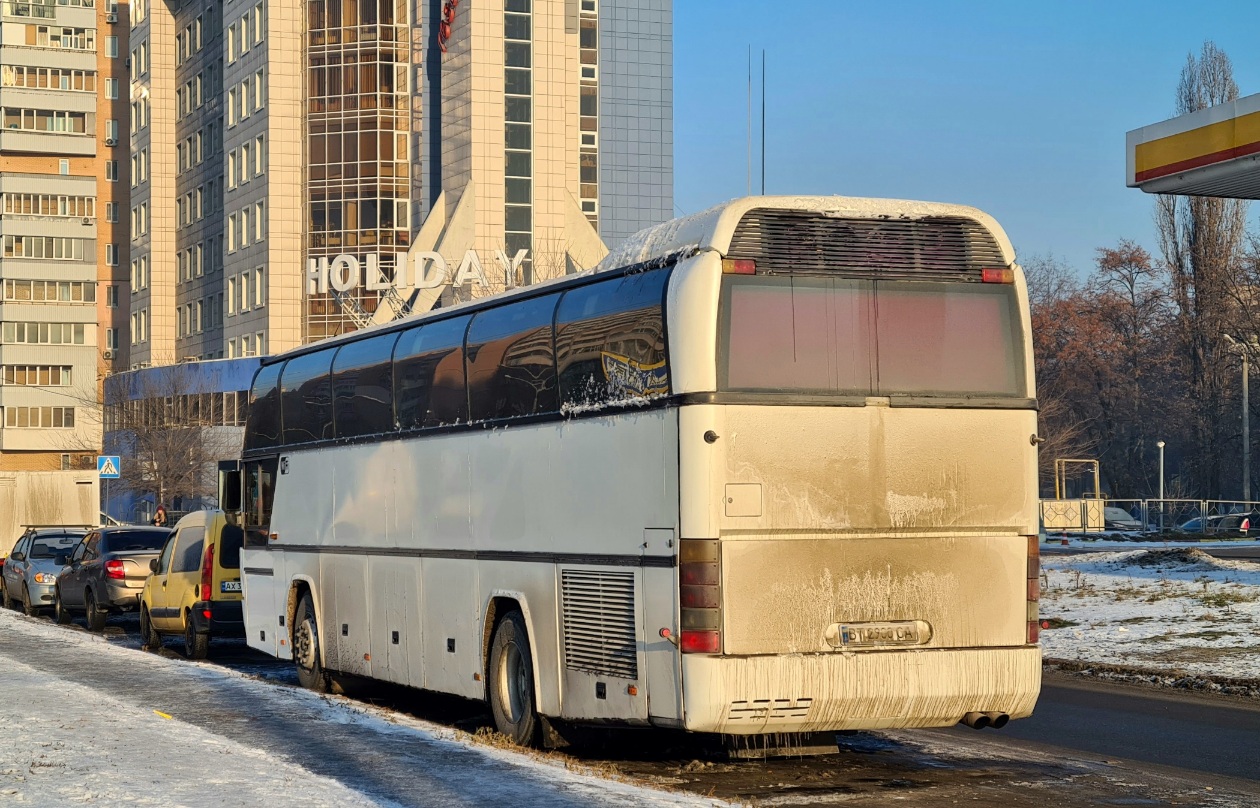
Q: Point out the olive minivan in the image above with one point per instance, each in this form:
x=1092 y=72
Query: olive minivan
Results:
x=195 y=587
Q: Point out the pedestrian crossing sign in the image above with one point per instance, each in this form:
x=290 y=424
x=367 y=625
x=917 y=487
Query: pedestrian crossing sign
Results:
x=107 y=467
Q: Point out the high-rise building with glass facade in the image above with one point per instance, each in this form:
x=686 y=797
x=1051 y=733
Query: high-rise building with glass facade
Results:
x=281 y=144
x=63 y=198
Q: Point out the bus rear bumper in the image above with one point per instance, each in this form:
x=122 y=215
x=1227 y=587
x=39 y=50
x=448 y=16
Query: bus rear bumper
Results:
x=864 y=690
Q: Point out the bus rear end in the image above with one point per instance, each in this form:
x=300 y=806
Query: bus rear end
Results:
x=859 y=493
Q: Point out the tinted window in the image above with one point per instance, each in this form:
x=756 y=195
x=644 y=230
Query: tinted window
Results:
x=429 y=375
x=306 y=396
x=511 y=366
x=800 y=334
x=610 y=341
x=129 y=541
x=363 y=387
x=262 y=429
x=260 y=490
x=823 y=335
x=949 y=339
x=188 y=552
x=230 y=541
x=164 y=560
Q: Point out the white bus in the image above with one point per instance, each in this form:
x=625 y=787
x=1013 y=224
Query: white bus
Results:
x=770 y=468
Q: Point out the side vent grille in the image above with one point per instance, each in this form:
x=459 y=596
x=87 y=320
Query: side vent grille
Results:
x=599 y=625
x=794 y=242
x=769 y=710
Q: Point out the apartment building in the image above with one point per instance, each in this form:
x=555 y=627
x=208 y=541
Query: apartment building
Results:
x=63 y=196
x=277 y=145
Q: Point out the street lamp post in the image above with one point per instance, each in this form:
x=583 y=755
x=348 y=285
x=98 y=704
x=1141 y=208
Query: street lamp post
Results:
x=1160 y=444
x=1237 y=346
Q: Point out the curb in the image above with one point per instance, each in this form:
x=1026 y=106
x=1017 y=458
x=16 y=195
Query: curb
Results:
x=1155 y=677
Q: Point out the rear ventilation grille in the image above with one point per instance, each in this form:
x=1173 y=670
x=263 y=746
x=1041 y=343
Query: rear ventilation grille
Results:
x=942 y=248
x=769 y=710
x=599 y=626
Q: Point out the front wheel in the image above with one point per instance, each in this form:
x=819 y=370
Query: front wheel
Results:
x=310 y=668
x=60 y=614
x=196 y=644
x=28 y=606
x=511 y=681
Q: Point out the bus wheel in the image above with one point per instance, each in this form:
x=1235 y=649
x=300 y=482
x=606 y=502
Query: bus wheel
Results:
x=310 y=671
x=511 y=681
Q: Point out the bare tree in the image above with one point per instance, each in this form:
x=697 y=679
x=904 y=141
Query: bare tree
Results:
x=170 y=439
x=1201 y=242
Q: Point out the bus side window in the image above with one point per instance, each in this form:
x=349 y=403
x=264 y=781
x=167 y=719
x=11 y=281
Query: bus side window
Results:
x=429 y=375
x=610 y=341
x=260 y=489
x=306 y=397
x=363 y=387
x=511 y=361
x=263 y=426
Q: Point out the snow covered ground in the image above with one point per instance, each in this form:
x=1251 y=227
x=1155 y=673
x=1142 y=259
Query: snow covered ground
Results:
x=86 y=722
x=1164 y=608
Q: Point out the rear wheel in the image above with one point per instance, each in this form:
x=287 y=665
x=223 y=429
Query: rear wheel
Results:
x=511 y=681
x=148 y=634
x=95 y=615
x=9 y=603
x=196 y=644
x=59 y=610
x=306 y=651
x=28 y=607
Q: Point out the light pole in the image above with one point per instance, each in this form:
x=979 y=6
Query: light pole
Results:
x=1160 y=444
x=1242 y=349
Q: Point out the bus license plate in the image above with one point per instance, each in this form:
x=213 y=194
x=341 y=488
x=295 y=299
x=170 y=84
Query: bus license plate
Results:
x=867 y=635
x=230 y=586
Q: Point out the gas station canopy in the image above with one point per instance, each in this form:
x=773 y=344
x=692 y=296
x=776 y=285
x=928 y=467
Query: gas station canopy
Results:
x=1212 y=152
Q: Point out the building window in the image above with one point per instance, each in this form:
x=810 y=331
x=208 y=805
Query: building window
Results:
x=111 y=255
x=111 y=170
x=111 y=296
x=111 y=212
x=111 y=339
x=63 y=167
x=111 y=47
x=111 y=89
x=260 y=295
x=39 y=417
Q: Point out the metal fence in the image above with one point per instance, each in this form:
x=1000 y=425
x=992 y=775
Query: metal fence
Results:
x=1175 y=516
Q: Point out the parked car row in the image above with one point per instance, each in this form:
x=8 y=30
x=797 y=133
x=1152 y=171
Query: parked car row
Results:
x=184 y=581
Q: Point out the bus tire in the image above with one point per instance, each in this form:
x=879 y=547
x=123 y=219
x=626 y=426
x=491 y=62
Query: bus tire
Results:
x=511 y=681
x=306 y=651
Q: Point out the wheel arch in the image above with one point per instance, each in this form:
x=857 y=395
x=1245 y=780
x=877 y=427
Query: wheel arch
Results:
x=499 y=603
x=301 y=585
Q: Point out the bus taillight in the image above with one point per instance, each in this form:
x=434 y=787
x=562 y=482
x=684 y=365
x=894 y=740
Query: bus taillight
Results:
x=997 y=276
x=699 y=597
x=1034 y=589
x=739 y=266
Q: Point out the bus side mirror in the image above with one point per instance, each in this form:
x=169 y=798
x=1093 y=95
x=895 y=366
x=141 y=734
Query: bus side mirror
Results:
x=230 y=490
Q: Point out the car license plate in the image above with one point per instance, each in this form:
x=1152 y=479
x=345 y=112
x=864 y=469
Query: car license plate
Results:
x=868 y=635
x=230 y=586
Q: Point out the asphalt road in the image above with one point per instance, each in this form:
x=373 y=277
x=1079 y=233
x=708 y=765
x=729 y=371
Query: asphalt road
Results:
x=1088 y=743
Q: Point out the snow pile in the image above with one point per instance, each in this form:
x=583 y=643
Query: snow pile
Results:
x=1177 y=609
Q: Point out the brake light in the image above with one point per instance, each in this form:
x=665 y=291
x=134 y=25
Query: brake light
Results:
x=700 y=642
x=739 y=266
x=1034 y=589
x=997 y=276
x=699 y=597
x=114 y=569
x=207 y=572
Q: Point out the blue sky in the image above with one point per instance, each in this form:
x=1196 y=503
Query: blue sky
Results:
x=1018 y=108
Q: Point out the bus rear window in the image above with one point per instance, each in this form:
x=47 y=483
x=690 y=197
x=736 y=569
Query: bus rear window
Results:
x=857 y=337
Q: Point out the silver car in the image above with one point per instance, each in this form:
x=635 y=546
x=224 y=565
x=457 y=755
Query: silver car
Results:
x=29 y=575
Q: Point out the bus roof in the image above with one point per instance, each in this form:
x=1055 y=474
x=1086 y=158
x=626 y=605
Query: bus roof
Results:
x=712 y=229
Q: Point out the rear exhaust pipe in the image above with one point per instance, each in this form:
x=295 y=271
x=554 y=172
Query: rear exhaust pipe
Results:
x=998 y=720
x=976 y=720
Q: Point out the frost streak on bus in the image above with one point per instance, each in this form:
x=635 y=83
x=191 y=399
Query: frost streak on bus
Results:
x=767 y=469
